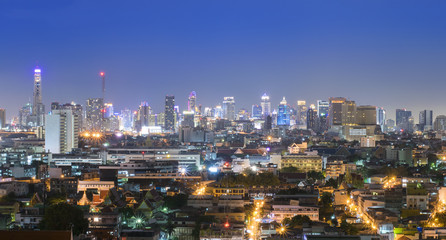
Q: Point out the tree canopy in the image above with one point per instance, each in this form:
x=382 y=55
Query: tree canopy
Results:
x=63 y=216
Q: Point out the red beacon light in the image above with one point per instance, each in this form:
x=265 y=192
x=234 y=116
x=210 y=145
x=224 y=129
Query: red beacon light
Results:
x=226 y=225
x=102 y=74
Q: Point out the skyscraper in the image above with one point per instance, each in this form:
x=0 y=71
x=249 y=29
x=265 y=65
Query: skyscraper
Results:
x=349 y=113
x=381 y=117
x=2 y=118
x=25 y=115
x=188 y=119
x=426 y=119
x=266 y=105
x=142 y=118
x=61 y=131
x=126 y=123
x=93 y=116
x=229 y=108
x=322 y=112
x=312 y=119
x=283 y=116
x=192 y=102
x=108 y=110
x=403 y=119
x=256 y=112
x=335 y=111
x=301 y=112
x=169 y=113
x=366 y=115
x=440 y=123
x=38 y=112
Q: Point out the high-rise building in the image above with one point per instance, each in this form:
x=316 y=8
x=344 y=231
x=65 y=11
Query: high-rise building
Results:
x=322 y=108
x=76 y=108
x=381 y=117
x=312 y=118
x=256 y=112
x=192 y=102
x=2 y=118
x=108 y=110
x=218 y=111
x=142 y=117
x=440 y=123
x=349 y=113
x=426 y=120
x=93 y=114
x=283 y=115
x=403 y=119
x=126 y=123
x=61 y=131
x=25 y=115
x=366 y=115
x=169 y=114
x=38 y=112
x=229 y=108
x=188 y=119
x=301 y=112
x=335 y=111
x=265 y=104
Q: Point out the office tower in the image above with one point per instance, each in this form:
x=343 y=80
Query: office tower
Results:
x=169 y=114
x=301 y=112
x=283 y=115
x=229 y=108
x=218 y=111
x=335 y=111
x=366 y=115
x=381 y=117
x=265 y=104
x=108 y=110
x=126 y=120
x=188 y=119
x=349 y=113
x=25 y=114
x=2 y=118
x=242 y=114
x=440 y=123
x=322 y=108
x=312 y=118
x=390 y=125
x=38 y=112
x=256 y=111
x=61 y=131
x=403 y=119
x=93 y=114
x=142 y=117
x=192 y=102
x=426 y=119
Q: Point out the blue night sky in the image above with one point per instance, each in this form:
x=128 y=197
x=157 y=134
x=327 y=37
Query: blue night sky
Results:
x=385 y=53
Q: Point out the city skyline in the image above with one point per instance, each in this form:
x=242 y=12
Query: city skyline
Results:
x=362 y=51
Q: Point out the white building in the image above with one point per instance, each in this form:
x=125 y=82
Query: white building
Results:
x=61 y=131
x=281 y=212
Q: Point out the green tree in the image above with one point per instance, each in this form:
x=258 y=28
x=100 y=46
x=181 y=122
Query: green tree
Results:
x=175 y=202
x=63 y=216
x=348 y=228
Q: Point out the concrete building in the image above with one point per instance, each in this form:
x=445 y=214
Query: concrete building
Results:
x=62 y=131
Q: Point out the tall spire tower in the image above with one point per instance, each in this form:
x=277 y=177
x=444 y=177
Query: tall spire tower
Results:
x=38 y=107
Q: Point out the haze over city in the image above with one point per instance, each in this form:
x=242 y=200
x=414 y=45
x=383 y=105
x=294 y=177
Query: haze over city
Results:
x=304 y=50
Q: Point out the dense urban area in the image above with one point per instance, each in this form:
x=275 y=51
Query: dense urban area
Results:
x=328 y=170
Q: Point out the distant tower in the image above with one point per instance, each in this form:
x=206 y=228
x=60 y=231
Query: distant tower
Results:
x=229 y=108
x=266 y=105
x=102 y=74
x=169 y=114
x=38 y=112
x=192 y=103
x=283 y=116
